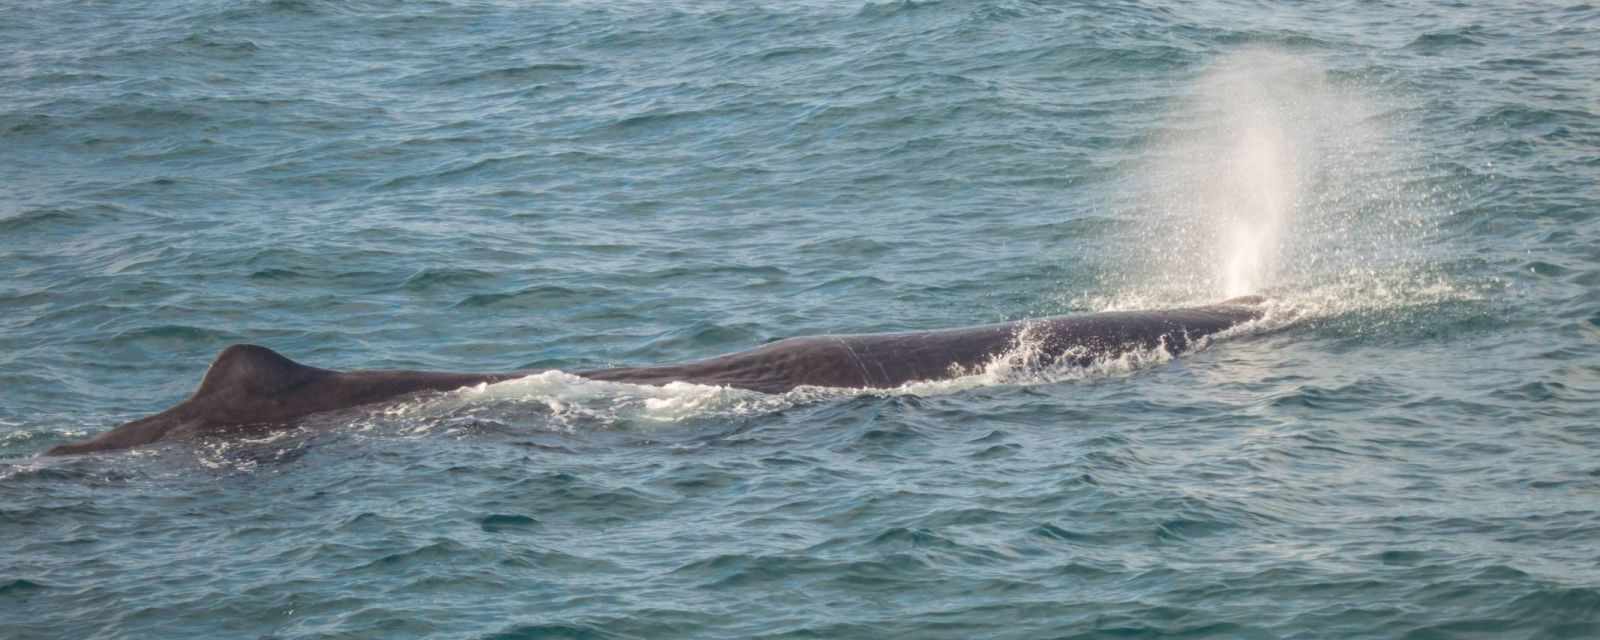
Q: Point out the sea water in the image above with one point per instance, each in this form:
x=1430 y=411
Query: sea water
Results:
x=1407 y=446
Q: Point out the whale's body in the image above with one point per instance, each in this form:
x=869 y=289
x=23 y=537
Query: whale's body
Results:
x=249 y=385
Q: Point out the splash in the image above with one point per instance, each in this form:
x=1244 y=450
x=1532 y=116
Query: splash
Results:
x=565 y=402
x=561 y=402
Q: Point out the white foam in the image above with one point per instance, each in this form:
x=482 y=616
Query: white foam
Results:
x=569 y=402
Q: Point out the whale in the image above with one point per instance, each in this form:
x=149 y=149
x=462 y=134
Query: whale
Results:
x=249 y=388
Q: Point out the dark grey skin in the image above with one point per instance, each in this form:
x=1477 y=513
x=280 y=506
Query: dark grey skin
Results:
x=254 y=387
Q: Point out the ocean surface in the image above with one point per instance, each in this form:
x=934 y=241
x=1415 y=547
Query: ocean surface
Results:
x=1407 y=446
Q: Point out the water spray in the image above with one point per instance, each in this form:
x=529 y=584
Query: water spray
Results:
x=1272 y=176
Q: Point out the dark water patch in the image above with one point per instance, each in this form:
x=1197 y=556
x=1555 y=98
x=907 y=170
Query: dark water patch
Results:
x=143 y=112
x=213 y=45
x=603 y=502
x=695 y=480
x=21 y=588
x=556 y=631
x=484 y=169
x=1358 y=396
x=792 y=54
x=440 y=552
x=754 y=273
x=436 y=277
x=1537 y=391
x=1517 y=63
x=1524 y=117
x=34 y=219
x=963 y=517
x=885 y=439
x=366 y=522
x=997 y=452
x=279 y=274
x=502 y=522
x=1401 y=557
x=739 y=571
x=537 y=297
x=21 y=124
x=1438 y=42
x=519 y=75
x=1546 y=269
x=994 y=436
x=655 y=126
x=1185 y=530
x=847 y=247
x=892 y=540
x=1053 y=532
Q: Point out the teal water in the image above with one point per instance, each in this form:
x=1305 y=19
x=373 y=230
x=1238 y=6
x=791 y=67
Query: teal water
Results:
x=1406 y=448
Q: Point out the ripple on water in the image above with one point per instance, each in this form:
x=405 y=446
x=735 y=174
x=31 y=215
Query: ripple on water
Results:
x=1403 y=448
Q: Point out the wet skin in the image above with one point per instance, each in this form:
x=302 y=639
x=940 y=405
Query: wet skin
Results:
x=249 y=385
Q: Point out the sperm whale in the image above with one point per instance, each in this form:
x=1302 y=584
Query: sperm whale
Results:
x=253 y=386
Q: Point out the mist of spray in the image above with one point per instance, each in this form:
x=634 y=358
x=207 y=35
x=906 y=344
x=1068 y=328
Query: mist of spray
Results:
x=1269 y=175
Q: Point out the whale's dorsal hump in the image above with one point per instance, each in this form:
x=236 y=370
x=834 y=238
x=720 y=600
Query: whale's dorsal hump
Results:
x=253 y=369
